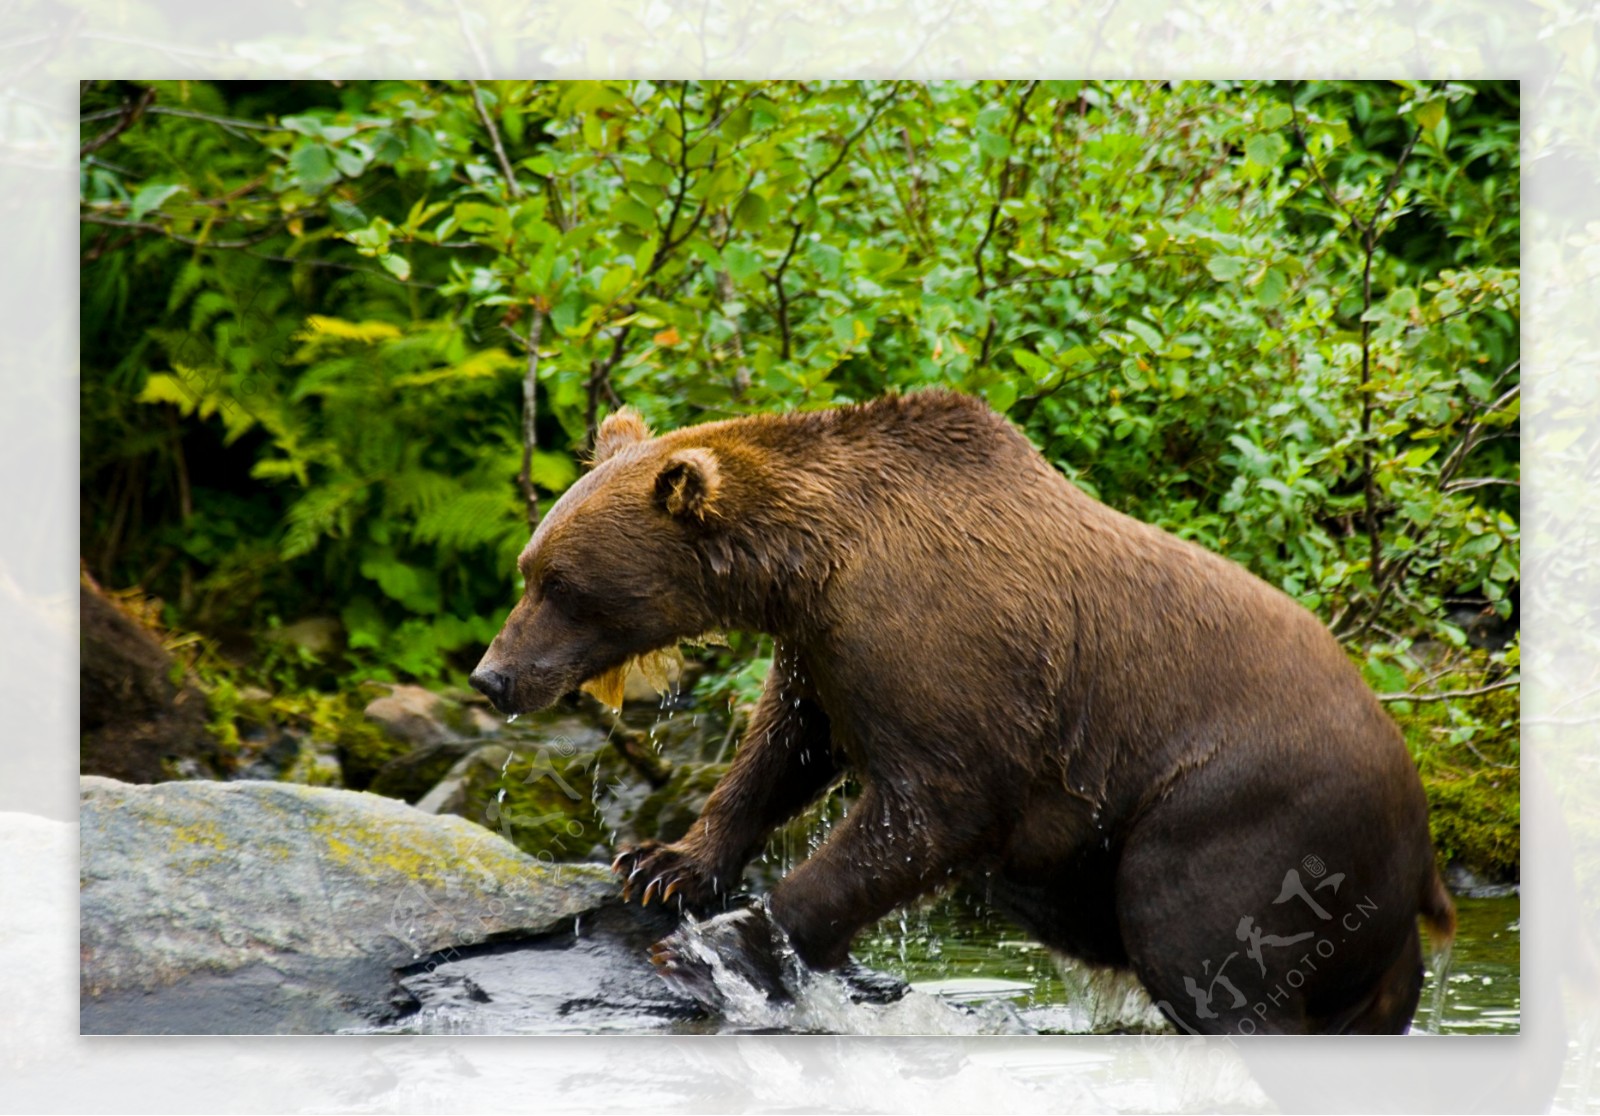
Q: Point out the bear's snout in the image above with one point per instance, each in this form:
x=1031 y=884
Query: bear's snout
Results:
x=492 y=685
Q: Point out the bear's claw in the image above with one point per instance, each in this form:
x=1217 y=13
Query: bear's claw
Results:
x=668 y=872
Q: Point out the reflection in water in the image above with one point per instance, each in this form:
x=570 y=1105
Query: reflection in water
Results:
x=1477 y=992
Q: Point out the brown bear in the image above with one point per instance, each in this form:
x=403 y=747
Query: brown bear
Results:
x=1143 y=754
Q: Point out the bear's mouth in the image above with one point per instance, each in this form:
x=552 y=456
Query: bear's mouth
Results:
x=660 y=668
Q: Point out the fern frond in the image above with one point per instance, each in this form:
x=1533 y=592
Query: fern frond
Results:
x=321 y=329
x=471 y=520
x=416 y=492
x=324 y=511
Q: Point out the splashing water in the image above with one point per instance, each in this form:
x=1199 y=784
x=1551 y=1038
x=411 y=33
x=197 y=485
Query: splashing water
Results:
x=722 y=978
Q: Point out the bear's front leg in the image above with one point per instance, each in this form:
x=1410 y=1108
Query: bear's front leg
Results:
x=883 y=854
x=785 y=760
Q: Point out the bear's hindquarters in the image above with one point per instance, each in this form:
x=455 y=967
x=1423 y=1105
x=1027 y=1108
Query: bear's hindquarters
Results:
x=1249 y=904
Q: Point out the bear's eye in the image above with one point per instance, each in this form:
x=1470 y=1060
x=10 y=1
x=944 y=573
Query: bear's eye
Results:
x=555 y=588
x=564 y=595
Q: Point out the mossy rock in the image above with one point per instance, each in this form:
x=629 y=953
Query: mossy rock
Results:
x=364 y=750
x=412 y=775
x=1468 y=752
x=1476 y=820
x=533 y=795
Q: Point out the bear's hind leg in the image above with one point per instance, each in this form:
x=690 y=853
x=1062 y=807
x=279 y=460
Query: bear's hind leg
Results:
x=1266 y=913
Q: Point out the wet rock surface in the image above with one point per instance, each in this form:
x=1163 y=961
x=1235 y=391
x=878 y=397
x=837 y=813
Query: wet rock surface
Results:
x=265 y=908
x=594 y=979
x=270 y=908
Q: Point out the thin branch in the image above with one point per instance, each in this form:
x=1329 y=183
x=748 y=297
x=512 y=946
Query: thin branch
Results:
x=1079 y=273
x=189 y=114
x=659 y=256
x=127 y=114
x=1447 y=695
x=530 y=378
x=146 y=226
x=1474 y=435
x=1473 y=438
x=798 y=225
x=1316 y=170
x=1369 y=480
x=1576 y=698
x=600 y=383
x=339 y=265
x=1001 y=194
x=177 y=53
x=25 y=41
x=494 y=137
x=1478 y=482
x=530 y=415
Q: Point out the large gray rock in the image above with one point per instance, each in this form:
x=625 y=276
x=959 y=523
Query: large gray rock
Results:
x=271 y=908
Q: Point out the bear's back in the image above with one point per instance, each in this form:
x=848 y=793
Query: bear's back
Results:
x=966 y=556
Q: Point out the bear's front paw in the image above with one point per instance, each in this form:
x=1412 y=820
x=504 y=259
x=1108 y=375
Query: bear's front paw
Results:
x=653 y=870
x=713 y=961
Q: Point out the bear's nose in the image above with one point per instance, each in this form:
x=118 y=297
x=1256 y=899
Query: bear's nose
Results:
x=492 y=685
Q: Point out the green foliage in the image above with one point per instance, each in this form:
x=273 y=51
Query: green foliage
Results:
x=1278 y=319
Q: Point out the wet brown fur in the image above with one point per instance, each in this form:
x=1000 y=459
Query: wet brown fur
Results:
x=1121 y=739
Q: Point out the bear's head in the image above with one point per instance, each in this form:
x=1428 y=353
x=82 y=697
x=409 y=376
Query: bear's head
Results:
x=613 y=572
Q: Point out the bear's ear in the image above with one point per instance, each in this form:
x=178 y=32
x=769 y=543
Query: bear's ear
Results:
x=622 y=427
x=688 y=484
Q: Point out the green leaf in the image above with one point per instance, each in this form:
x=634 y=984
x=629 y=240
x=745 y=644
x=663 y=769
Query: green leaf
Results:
x=363 y=624
x=742 y=262
x=312 y=168
x=751 y=212
x=1225 y=268
x=1037 y=368
x=1430 y=112
x=553 y=472
x=413 y=586
x=1265 y=150
x=1001 y=395
x=633 y=213
x=1272 y=287
x=994 y=145
x=1145 y=333
x=1276 y=116
x=396 y=265
x=1419 y=456
x=476 y=217
x=615 y=282
x=150 y=197
x=162 y=388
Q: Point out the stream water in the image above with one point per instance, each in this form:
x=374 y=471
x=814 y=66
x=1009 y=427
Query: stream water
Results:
x=1478 y=991
x=969 y=973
